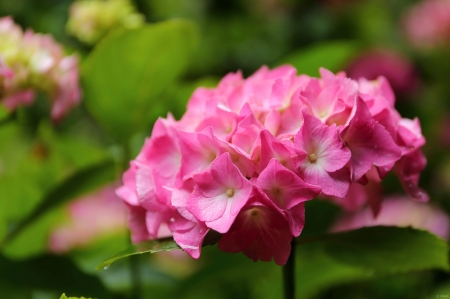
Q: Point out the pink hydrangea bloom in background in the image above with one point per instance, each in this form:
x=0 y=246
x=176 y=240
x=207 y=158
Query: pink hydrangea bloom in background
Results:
x=427 y=24
x=90 y=217
x=248 y=154
x=397 y=69
x=30 y=63
x=402 y=212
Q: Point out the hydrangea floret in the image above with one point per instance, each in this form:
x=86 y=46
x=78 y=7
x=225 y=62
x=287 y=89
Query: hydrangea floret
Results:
x=32 y=62
x=248 y=154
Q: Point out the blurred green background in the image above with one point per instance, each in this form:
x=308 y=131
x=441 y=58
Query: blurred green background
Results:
x=130 y=79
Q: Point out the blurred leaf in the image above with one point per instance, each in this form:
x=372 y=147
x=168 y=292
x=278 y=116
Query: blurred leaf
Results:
x=129 y=69
x=50 y=273
x=321 y=262
x=330 y=55
x=387 y=249
x=4 y=113
x=442 y=291
x=30 y=168
x=81 y=182
x=363 y=254
x=154 y=246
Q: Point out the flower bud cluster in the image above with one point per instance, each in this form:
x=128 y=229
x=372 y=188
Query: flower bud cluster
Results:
x=31 y=63
x=90 y=20
x=248 y=154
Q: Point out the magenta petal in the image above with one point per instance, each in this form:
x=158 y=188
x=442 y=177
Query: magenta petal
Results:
x=136 y=223
x=284 y=187
x=273 y=148
x=260 y=231
x=332 y=183
x=368 y=141
x=408 y=170
x=296 y=218
x=128 y=191
x=191 y=239
x=324 y=142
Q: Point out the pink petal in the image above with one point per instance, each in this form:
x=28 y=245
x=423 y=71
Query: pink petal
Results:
x=198 y=150
x=368 y=141
x=284 y=187
x=219 y=195
x=260 y=231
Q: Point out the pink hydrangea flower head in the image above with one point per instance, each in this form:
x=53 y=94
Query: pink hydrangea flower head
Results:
x=31 y=63
x=249 y=153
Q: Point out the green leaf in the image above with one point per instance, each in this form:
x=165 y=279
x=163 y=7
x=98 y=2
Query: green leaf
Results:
x=81 y=182
x=387 y=249
x=145 y=247
x=4 y=113
x=51 y=273
x=322 y=262
x=128 y=70
x=330 y=55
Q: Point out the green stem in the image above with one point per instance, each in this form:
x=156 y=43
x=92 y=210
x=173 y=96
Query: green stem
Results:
x=136 y=280
x=289 y=274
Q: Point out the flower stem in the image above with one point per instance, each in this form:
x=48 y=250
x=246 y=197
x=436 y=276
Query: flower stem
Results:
x=288 y=274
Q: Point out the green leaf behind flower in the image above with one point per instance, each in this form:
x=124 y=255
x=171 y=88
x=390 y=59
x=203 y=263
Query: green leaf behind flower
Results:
x=126 y=73
x=321 y=262
x=387 y=249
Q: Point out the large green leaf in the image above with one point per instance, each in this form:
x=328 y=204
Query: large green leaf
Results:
x=322 y=262
x=387 y=249
x=129 y=69
x=80 y=183
x=330 y=55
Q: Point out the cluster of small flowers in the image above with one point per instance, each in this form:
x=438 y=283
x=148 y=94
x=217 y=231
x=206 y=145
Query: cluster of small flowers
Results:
x=90 y=20
x=246 y=156
x=427 y=24
x=31 y=62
